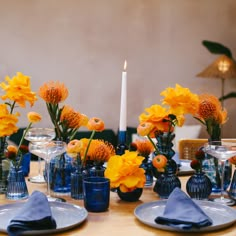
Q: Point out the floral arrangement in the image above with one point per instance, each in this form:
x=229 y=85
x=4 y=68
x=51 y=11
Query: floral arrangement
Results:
x=125 y=172
x=15 y=154
x=91 y=149
x=17 y=92
x=211 y=114
x=196 y=163
x=65 y=119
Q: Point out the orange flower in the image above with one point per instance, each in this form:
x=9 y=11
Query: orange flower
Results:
x=53 y=92
x=159 y=162
x=145 y=128
x=232 y=160
x=95 y=124
x=71 y=118
x=210 y=109
x=34 y=117
x=144 y=147
x=100 y=151
x=74 y=148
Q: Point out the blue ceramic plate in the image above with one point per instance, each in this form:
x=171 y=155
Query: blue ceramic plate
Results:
x=66 y=215
x=222 y=216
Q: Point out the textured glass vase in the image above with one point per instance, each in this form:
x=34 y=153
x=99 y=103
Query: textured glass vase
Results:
x=147 y=166
x=132 y=196
x=232 y=189
x=166 y=181
x=199 y=186
x=60 y=174
x=16 y=186
x=77 y=182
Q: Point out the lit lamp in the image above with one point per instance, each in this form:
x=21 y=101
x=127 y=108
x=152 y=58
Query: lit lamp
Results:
x=222 y=68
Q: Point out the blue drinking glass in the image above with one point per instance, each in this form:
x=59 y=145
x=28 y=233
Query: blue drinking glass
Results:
x=96 y=192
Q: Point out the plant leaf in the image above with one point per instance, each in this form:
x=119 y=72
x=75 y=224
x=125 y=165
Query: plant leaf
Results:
x=217 y=48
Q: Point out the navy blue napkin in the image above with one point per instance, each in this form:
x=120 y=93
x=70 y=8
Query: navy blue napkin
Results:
x=35 y=214
x=182 y=212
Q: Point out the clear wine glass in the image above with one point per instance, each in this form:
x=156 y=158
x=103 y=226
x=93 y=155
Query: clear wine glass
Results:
x=47 y=151
x=222 y=150
x=39 y=135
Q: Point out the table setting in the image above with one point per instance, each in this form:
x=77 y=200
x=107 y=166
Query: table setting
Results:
x=133 y=187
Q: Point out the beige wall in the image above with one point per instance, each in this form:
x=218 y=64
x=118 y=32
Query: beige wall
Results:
x=84 y=43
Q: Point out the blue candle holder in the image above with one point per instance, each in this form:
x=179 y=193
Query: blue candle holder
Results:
x=121 y=146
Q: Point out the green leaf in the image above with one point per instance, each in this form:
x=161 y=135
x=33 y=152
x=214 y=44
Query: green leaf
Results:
x=217 y=48
x=229 y=95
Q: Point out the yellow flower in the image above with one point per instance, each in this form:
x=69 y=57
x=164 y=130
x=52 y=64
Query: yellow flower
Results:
x=95 y=124
x=7 y=121
x=18 y=90
x=34 y=117
x=157 y=115
x=124 y=171
x=53 y=92
x=72 y=119
x=180 y=100
x=145 y=128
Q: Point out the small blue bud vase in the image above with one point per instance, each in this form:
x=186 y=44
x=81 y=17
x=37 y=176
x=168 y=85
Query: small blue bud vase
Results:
x=166 y=181
x=77 y=181
x=16 y=186
x=147 y=166
x=199 y=186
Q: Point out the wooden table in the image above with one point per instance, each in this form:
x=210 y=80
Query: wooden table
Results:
x=119 y=220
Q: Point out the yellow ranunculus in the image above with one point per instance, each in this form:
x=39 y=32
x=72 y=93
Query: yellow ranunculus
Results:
x=8 y=121
x=18 y=89
x=34 y=117
x=125 y=172
x=181 y=100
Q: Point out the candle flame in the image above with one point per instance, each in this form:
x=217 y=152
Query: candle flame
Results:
x=125 y=65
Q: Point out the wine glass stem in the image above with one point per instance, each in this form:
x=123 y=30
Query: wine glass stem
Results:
x=39 y=166
x=222 y=180
x=48 y=180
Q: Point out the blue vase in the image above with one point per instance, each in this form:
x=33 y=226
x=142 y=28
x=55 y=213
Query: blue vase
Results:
x=16 y=186
x=132 y=196
x=94 y=169
x=77 y=181
x=60 y=174
x=199 y=186
x=147 y=166
x=166 y=181
x=232 y=189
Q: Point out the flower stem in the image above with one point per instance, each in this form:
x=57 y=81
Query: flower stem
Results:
x=86 y=151
x=154 y=145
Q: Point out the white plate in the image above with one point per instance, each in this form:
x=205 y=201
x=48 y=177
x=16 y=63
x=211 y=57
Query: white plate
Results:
x=66 y=215
x=222 y=216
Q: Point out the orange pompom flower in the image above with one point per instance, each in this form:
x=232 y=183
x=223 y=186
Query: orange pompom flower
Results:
x=96 y=124
x=53 y=92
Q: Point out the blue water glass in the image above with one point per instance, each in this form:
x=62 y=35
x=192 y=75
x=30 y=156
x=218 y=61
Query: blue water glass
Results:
x=96 y=192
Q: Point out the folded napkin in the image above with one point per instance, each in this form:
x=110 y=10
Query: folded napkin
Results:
x=35 y=214
x=182 y=212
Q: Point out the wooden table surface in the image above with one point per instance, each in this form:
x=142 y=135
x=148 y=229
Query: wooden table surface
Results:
x=119 y=219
